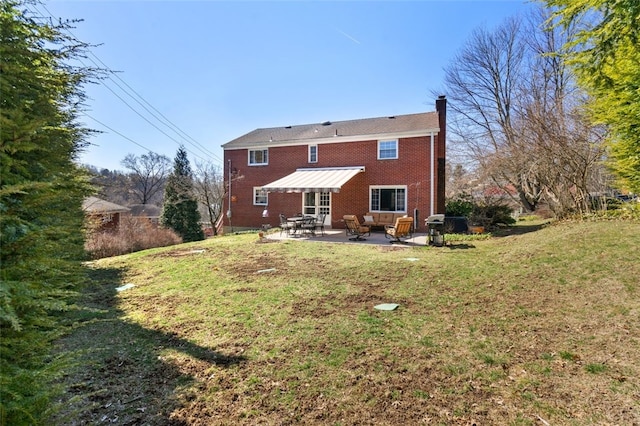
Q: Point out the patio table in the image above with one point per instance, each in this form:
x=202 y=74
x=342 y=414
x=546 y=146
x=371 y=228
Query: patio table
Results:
x=298 y=222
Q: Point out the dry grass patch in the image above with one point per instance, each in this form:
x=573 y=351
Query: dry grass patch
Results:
x=509 y=330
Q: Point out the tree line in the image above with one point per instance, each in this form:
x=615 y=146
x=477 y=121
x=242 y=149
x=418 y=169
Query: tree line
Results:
x=150 y=179
x=543 y=105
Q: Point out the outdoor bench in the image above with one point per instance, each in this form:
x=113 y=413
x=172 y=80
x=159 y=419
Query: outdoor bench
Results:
x=381 y=219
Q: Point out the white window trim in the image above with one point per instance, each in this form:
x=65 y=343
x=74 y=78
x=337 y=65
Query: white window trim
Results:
x=256 y=190
x=309 y=154
x=249 y=151
x=406 y=197
x=388 y=140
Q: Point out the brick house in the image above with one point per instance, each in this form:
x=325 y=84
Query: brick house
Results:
x=103 y=215
x=387 y=164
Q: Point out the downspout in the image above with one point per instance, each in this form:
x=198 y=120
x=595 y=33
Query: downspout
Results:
x=229 y=209
x=432 y=178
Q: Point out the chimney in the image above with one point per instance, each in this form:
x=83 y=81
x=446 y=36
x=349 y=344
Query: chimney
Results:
x=441 y=109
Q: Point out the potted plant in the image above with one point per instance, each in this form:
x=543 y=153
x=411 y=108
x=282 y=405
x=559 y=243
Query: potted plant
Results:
x=478 y=220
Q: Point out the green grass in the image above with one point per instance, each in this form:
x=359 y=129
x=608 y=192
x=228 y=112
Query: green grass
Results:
x=500 y=330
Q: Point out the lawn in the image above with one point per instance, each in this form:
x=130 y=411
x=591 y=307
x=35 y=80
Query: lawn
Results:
x=532 y=328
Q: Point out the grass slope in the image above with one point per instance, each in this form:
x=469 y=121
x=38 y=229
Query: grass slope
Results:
x=521 y=330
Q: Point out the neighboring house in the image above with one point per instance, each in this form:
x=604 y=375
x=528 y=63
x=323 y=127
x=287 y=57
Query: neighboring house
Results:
x=104 y=214
x=388 y=164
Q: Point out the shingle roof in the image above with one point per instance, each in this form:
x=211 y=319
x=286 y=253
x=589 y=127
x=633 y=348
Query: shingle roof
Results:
x=421 y=123
x=145 y=210
x=97 y=205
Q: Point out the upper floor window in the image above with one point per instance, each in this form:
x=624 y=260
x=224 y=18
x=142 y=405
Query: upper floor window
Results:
x=313 y=153
x=258 y=157
x=260 y=196
x=388 y=199
x=388 y=149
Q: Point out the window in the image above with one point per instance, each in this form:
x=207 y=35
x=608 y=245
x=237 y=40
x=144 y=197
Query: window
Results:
x=260 y=196
x=389 y=199
x=107 y=218
x=258 y=157
x=313 y=153
x=387 y=150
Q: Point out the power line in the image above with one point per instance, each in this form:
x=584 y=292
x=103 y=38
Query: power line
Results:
x=145 y=118
x=117 y=132
x=177 y=129
x=179 y=132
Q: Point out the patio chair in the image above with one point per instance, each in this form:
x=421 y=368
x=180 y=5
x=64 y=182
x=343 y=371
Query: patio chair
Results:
x=308 y=225
x=285 y=225
x=320 y=222
x=401 y=230
x=354 y=228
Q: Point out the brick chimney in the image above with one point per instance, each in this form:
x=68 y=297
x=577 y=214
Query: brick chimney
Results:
x=441 y=109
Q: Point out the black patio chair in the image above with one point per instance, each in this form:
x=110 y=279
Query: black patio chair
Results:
x=285 y=225
x=320 y=223
x=308 y=225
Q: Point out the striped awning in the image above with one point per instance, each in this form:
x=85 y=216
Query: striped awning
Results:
x=314 y=180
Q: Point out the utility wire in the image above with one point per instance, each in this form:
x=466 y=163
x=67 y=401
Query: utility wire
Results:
x=177 y=129
x=171 y=125
x=117 y=132
x=145 y=118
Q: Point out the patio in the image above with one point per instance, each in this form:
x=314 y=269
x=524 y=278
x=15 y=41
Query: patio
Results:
x=339 y=236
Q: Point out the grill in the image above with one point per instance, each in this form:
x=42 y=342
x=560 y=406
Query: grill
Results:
x=435 y=225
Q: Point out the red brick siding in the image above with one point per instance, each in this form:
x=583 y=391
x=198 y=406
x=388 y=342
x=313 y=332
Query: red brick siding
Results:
x=410 y=169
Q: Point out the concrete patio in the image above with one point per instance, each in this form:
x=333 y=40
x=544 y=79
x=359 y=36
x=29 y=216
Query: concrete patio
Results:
x=339 y=236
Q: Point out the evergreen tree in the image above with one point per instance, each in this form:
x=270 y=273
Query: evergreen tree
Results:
x=41 y=193
x=607 y=61
x=180 y=208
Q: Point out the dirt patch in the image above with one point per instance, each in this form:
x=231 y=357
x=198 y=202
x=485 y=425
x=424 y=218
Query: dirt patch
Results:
x=523 y=333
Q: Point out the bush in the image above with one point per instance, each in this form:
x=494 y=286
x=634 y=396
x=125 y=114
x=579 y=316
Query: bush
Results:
x=496 y=213
x=488 y=212
x=625 y=211
x=461 y=205
x=133 y=234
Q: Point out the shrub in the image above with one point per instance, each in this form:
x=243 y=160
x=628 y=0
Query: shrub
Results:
x=461 y=205
x=496 y=213
x=487 y=212
x=624 y=211
x=133 y=234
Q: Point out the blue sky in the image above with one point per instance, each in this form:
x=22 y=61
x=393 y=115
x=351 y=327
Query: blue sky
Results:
x=217 y=70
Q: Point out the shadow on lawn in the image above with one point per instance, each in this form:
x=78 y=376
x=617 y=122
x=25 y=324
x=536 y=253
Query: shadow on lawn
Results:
x=460 y=246
x=122 y=373
x=518 y=229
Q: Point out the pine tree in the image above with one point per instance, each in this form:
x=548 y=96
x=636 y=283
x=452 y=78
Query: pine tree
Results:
x=41 y=193
x=180 y=208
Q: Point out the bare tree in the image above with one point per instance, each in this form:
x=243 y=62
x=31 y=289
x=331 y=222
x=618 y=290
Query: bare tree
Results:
x=149 y=173
x=517 y=110
x=210 y=191
x=567 y=148
x=459 y=180
x=482 y=85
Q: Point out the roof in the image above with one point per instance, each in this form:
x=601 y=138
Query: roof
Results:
x=98 y=205
x=314 y=180
x=340 y=131
x=145 y=210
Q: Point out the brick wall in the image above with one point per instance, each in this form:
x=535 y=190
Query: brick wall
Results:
x=410 y=169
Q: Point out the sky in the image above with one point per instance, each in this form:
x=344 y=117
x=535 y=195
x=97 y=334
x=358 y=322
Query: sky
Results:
x=202 y=73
